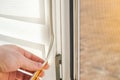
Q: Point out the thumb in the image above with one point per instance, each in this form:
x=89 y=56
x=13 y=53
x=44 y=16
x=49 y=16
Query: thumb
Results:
x=30 y=65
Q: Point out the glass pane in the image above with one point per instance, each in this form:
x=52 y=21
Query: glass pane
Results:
x=24 y=8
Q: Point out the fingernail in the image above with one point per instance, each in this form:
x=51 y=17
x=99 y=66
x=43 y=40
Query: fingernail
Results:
x=39 y=65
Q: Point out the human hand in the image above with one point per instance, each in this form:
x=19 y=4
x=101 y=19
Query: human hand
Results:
x=12 y=58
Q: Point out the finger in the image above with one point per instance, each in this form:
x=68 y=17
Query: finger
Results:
x=26 y=77
x=35 y=58
x=19 y=75
x=30 y=55
x=12 y=75
x=46 y=66
x=30 y=65
x=4 y=76
x=41 y=74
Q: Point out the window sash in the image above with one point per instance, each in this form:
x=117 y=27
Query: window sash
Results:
x=11 y=25
x=23 y=9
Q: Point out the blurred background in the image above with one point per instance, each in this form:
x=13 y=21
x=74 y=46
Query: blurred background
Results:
x=100 y=39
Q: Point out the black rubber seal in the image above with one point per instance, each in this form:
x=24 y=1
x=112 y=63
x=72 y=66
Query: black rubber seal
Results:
x=71 y=41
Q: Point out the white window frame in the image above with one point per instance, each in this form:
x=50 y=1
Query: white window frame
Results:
x=61 y=21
